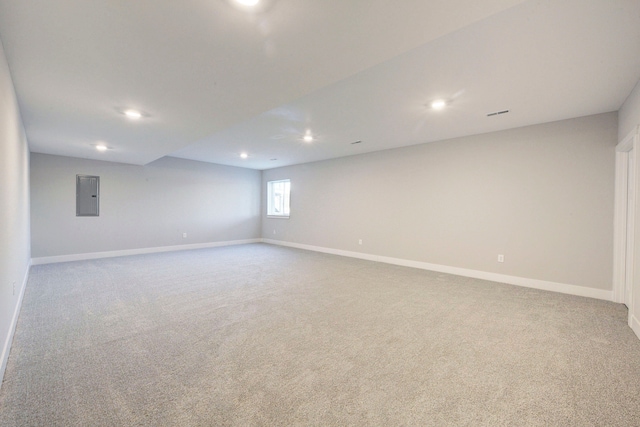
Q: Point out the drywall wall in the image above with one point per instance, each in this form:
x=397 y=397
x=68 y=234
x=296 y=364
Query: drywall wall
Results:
x=14 y=210
x=541 y=195
x=141 y=206
x=629 y=113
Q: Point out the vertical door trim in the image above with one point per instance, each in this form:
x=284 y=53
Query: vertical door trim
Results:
x=624 y=219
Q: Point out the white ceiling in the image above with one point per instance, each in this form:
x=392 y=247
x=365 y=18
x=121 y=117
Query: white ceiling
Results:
x=214 y=79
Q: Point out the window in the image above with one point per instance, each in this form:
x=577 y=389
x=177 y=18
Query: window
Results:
x=278 y=195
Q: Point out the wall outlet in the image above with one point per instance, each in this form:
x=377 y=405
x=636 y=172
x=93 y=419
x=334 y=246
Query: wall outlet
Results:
x=274 y=231
x=359 y=241
x=500 y=258
x=184 y=235
x=14 y=288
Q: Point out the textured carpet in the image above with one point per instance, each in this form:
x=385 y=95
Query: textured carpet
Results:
x=266 y=335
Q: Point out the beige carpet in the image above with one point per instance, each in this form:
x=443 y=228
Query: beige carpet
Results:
x=262 y=335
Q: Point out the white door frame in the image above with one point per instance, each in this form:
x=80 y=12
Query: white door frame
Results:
x=626 y=191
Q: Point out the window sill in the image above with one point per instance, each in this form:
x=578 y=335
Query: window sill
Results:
x=277 y=217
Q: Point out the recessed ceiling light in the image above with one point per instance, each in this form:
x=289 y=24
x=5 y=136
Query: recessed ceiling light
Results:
x=438 y=104
x=244 y=155
x=101 y=147
x=307 y=137
x=133 y=114
x=248 y=2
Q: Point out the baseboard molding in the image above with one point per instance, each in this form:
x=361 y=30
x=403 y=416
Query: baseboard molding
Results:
x=6 y=347
x=141 y=251
x=634 y=323
x=476 y=274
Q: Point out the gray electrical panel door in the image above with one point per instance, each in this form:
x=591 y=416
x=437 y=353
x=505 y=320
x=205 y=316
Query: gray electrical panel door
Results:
x=87 y=195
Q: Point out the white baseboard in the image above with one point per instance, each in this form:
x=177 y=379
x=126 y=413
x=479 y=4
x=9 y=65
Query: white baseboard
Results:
x=476 y=274
x=6 y=347
x=635 y=324
x=141 y=251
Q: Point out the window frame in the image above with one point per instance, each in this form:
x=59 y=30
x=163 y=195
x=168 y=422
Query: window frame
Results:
x=284 y=204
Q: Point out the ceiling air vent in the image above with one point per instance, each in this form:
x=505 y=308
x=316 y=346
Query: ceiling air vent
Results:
x=497 y=113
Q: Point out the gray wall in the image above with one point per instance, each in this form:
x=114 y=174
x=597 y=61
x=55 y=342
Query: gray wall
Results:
x=14 y=207
x=141 y=206
x=541 y=195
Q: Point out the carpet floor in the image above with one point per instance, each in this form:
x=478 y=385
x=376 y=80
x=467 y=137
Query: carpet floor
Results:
x=260 y=335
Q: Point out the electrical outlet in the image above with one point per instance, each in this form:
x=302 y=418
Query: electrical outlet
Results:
x=500 y=258
x=274 y=231
x=14 y=288
x=359 y=241
x=184 y=235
